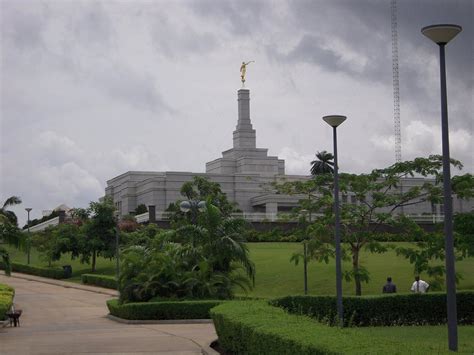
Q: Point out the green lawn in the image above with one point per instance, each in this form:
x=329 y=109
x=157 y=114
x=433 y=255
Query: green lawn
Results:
x=421 y=339
x=104 y=266
x=276 y=276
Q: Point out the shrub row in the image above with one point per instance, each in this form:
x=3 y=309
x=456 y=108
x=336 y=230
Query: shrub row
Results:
x=401 y=309
x=256 y=327
x=36 y=270
x=162 y=310
x=6 y=299
x=99 y=280
x=276 y=235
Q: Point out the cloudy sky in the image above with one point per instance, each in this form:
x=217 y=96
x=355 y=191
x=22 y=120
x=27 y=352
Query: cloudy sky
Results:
x=92 y=89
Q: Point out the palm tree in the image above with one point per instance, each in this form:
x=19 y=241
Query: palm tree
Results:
x=5 y=259
x=323 y=164
x=11 y=201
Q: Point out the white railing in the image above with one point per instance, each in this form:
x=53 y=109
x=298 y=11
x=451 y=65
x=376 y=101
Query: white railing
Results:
x=248 y=216
x=281 y=217
x=42 y=226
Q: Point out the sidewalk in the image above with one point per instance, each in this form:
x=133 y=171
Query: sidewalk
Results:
x=65 y=318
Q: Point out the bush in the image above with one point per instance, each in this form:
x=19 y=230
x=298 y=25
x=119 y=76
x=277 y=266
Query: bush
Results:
x=6 y=299
x=255 y=327
x=99 y=280
x=36 y=270
x=162 y=310
x=402 y=309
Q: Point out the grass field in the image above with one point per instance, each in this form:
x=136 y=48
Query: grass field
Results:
x=421 y=339
x=276 y=276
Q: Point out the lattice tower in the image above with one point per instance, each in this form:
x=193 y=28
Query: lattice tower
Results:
x=396 y=82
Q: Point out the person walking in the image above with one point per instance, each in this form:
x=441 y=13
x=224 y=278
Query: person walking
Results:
x=419 y=286
x=389 y=287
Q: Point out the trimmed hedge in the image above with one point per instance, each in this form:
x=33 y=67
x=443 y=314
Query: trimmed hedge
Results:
x=256 y=327
x=6 y=299
x=162 y=310
x=99 y=280
x=398 y=309
x=37 y=271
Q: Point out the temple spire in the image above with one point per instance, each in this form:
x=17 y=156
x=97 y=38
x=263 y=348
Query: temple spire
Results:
x=244 y=134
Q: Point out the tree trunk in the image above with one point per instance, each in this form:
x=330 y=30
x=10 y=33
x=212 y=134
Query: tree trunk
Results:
x=355 y=268
x=93 y=261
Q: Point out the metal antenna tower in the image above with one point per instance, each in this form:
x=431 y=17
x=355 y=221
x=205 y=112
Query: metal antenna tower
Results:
x=396 y=83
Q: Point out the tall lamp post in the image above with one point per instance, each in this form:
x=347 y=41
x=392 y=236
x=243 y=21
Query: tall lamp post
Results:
x=334 y=121
x=305 y=252
x=28 y=245
x=117 y=247
x=441 y=35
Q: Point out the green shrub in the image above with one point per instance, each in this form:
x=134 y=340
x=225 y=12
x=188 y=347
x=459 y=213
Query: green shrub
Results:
x=398 y=309
x=6 y=299
x=255 y=327
x=99 y=280
x=51 y=273
x=162 y=310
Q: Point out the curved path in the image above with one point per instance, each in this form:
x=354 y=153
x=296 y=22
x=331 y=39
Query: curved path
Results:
x=63 y=318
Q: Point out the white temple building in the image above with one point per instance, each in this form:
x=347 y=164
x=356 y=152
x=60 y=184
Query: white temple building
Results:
x=244 y=173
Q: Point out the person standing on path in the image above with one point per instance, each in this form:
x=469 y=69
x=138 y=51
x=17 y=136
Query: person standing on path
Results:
x=419 y=286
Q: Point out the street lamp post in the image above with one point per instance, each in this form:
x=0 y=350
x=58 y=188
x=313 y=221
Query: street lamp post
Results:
x=28 y=245
x=305 y=253
x=117 y=247
x=441 y=35
x=334 y=121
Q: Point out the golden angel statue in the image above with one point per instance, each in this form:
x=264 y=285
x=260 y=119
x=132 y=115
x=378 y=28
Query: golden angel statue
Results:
x=243 y=70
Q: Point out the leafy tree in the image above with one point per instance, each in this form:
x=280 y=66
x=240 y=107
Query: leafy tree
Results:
x=142 y=236
x=463 y=186
x=314 y=215
x=377 y=200
x=141 y=208
x=324 y=163
x=55 y=241
x=429 y=251
x=11 y=216
x=464 y=232
x=99 y=232
x=200 y=189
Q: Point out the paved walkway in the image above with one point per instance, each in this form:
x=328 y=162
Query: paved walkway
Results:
x=63 y=318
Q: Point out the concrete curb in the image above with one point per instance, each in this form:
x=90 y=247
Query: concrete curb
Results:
x=65 y=284
x=158 y=321
x=4 y=323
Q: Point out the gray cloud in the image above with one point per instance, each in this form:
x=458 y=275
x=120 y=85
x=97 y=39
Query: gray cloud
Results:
x=91 y=89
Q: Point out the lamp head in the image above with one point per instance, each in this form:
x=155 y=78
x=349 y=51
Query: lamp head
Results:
x=185 y=206
x=201 y=206
x=334 y=120
x=28 y=209
x=441 y=34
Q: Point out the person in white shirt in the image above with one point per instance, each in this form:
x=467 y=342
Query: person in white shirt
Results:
x=419 y=286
